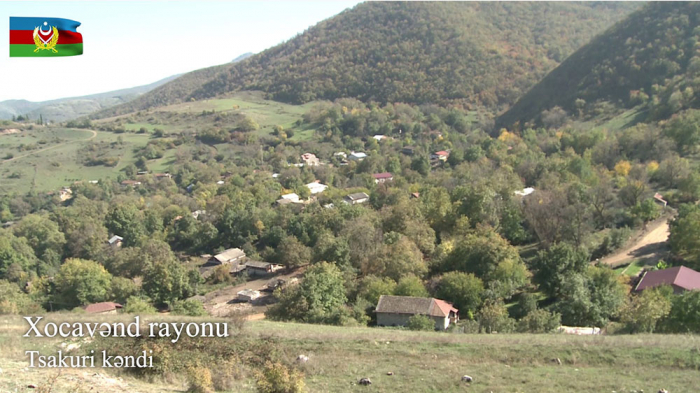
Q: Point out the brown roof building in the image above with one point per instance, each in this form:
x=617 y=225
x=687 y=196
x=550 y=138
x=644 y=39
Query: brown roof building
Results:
x=680 y=278
x=103 y=308
x=396 y=310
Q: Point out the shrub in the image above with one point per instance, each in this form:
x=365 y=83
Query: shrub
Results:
x=421 y=322
x=138 y=305
x=199 y=379
x=539 y=321
x=191 y=308
x=278 y=378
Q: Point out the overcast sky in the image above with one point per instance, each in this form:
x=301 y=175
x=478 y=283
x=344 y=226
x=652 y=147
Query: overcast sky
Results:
x=132 y=43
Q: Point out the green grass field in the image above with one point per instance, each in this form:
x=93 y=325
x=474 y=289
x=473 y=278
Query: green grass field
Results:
x=419 y=361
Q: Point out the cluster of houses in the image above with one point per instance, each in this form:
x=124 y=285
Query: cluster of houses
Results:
x=236 y=259
x=136 y=183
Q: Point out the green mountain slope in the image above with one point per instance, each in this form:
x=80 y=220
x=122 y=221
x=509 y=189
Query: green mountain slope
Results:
x=652 y=59
x=468 y=53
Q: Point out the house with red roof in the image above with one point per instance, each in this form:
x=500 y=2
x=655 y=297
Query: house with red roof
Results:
x=396 y=311
x=680 y=278
x=441 y=155
x=382 y=177
x=103 y=308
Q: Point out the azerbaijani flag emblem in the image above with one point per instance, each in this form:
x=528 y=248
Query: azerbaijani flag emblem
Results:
x=44 y=37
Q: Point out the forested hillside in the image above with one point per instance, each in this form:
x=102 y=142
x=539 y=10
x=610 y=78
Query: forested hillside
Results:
x=484 y=54
x=649 y=59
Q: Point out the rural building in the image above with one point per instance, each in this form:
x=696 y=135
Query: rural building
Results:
x=660 y=199
x=310 y=159
x=396 y=310
x=163 y=176
x=256 y=268
x=232 y=255
x=415 y=195
x=340 y=154
x=680 y=278
x=383 y=177
x=524 y=192
x=357 y=156
x=408 y=150
x=197 y=213
x=316 y=187
x=358 y=197
x=65 y=194
x=103 y=308
x=441 y=155
x=248 y=295
x=131 y=183
x=379 y=138
x=115 y=241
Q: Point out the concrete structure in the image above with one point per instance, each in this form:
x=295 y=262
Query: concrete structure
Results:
x=680 y=278
x=397 y=310
x=248 y=295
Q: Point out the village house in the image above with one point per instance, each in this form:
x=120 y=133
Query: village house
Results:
x=197 y=213
x=408 y=150
x=396 y=311
x=441 y=155
x=103 y=308
x=289 y=198
x=524 y=192
x=680 y=278
x=131 y=183
x=316 y=187
x=257 y=268
x=115 y=241
x=382 y=177
x=357 y=156
x=65 y=194
x=310 y=159
x=356 y=198
x=159 y=176
x=379 y=138
x=232 y=255
x=660 y=199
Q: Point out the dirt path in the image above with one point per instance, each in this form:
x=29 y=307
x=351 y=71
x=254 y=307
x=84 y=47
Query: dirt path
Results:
x=650 y=245
x=94 y=134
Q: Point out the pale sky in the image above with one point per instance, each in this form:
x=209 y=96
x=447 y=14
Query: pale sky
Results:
x=132 y=43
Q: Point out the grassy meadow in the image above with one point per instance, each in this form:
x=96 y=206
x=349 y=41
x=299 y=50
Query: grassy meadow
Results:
x=267 y=113
x=47 y=158
x=419 y=361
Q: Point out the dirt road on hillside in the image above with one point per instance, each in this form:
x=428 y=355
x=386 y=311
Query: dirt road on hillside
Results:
x=649 y=245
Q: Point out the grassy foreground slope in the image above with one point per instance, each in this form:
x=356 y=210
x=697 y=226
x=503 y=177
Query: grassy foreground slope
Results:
x=419 y=361
x=479 y=53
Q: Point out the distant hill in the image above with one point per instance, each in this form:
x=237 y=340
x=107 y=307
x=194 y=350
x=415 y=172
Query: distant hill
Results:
x=69 y=108
x=485 y=54
x=649 y=59
x=242 y=57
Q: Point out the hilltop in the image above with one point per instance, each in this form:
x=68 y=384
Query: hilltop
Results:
x=485 y=54
x=648 y=60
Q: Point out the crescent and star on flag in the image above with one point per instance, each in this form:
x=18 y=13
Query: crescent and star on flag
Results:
x=46 y=39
